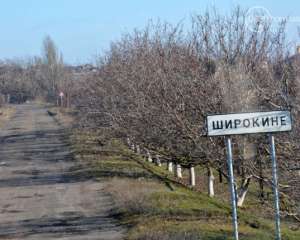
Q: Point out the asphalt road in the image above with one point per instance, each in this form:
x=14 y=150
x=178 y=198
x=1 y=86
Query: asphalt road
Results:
x=39 y=197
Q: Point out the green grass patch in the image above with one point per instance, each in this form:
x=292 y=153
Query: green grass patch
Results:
x=156 y=206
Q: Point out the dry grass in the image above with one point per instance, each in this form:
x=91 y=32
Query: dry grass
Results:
x=132 y=195
x=6 y=112
x=152 y=210
x=161 y=235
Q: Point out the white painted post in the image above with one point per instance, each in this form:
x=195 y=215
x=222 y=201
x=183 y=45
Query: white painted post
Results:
x=132 y=147
x=211 y=179
x=192 y=176
x=128 y=142
x=178 y=171
x=138 y=150
x=149 y=158
x=170 y=166
x=158 y=162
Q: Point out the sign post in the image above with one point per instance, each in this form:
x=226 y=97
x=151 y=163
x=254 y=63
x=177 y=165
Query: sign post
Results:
x=248 y=123
x=275 y=187
x=232 y=188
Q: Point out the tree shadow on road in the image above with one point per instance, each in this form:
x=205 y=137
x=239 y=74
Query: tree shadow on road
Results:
x=68 y=224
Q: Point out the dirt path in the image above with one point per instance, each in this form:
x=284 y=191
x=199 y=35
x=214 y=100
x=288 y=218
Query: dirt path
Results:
x=39 y=197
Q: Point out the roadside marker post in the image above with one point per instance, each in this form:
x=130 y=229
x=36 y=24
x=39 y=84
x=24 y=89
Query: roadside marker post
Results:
x=249 y=123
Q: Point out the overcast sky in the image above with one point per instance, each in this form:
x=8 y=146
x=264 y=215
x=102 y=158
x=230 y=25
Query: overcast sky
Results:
x=84 y=28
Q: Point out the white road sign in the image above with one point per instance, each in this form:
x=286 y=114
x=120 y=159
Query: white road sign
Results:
x=245 y=123
x=61 y=94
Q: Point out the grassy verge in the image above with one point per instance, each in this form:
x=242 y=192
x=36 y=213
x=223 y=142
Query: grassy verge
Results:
x=152 y=203
x=155 y=207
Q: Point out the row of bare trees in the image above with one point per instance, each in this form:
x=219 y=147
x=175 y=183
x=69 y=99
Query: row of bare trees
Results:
x=155 y=87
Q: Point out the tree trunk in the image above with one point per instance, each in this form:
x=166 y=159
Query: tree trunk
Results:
x=158 y=162
x=178 y=171
x=238 y=166
x=128 y=142
x=192 y=176
x=261 y=181
x=149 y=158
x=211 y=179
x=138 y=149
x=170 y=166
x=220 y=176
x=69 y=101
x=243 y=191
x=132 y=147
x=61 y=101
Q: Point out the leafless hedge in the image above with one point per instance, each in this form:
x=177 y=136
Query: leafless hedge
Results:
x=155 y=87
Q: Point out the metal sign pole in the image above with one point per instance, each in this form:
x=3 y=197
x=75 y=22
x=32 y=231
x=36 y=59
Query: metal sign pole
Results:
x=232 y=188
x=246 y=123
x=275 y=186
